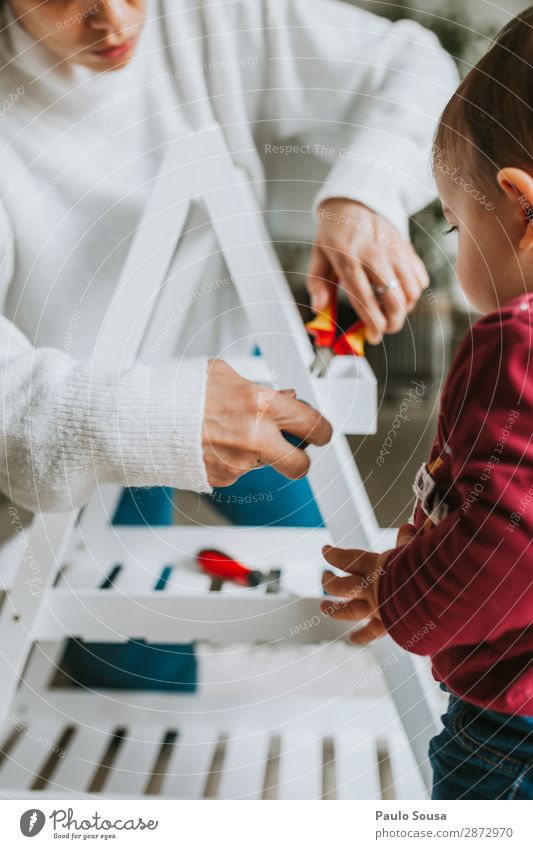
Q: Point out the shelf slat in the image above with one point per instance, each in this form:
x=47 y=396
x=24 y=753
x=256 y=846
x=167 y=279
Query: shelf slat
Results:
x=301 y=765
x=406 y=776
x=134 y=763
x=356 y=767
x=189 y=764
x=109 y=615
x=27 y=758
x=81 y=760
x=244 y=767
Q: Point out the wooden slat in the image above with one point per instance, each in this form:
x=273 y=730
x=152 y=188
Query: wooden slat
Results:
x=107 y=616
x=42 y=665
x=137 y=578
x=134 y=763
x=305 y=580
x=188 y=581
x=407 y=780
x=259 y=548
x=230 y=587
x=30 y=753
x=81 y=761
x=189 y=764
x=113 y=578
x=85 y=571
x=356 y=767
x=244 y=767
x=300 y=771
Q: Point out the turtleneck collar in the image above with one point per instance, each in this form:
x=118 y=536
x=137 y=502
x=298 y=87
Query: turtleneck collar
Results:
x=66 y=83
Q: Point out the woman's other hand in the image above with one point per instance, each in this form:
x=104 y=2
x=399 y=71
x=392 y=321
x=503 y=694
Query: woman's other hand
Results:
x=366 y=255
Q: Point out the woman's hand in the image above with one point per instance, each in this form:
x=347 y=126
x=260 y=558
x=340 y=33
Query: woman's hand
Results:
x=365 y=254
x=243 y=424
x=364 y=569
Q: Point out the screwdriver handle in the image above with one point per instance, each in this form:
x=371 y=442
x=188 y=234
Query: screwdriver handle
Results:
x=220 y=565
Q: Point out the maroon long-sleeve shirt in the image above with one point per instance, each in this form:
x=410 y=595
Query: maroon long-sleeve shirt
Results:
x=462 y=589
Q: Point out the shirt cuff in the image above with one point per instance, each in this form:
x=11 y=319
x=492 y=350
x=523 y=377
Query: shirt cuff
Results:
x=384 y=174
x=392 y=614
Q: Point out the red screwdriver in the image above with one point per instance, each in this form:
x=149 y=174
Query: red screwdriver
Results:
x=219 y=565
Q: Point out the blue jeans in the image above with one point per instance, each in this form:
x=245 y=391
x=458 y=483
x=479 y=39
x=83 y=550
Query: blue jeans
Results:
x=482 y=754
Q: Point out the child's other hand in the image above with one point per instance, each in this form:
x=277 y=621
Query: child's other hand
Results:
x=360 y=587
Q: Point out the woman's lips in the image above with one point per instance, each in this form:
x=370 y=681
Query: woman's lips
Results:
x=116 y=51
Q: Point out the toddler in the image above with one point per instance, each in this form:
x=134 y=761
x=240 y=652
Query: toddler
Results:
x=461 y=576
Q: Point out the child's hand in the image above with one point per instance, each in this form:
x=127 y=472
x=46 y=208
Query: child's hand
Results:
x=405 y=534
x=364 y=570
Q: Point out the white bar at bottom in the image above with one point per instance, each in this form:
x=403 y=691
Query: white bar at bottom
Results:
x=263 y=825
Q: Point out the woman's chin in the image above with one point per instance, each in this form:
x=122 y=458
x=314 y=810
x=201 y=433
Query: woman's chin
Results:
x=111 y=60
x=115 y=65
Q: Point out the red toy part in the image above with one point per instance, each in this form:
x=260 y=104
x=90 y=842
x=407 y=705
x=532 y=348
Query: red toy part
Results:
x=323 y=330
x=220 y=565
x=352 y=342
x=323 y=327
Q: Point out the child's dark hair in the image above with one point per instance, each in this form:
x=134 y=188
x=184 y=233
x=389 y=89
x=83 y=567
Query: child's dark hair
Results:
x=488 y=123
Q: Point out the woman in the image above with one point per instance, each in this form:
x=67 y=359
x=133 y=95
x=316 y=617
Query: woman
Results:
x=92 y=92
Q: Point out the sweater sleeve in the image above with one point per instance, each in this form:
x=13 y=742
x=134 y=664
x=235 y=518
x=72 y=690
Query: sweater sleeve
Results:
x=470 y=579
x=365 y=93
x=67 y=426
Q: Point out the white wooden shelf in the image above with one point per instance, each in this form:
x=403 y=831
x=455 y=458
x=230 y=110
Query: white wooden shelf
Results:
x=188 y=747
x=149 y=575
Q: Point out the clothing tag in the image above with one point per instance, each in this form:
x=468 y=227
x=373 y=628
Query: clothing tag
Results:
x=425 y=489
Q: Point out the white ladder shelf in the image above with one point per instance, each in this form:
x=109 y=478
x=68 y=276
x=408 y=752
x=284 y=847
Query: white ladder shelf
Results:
x=118 y=744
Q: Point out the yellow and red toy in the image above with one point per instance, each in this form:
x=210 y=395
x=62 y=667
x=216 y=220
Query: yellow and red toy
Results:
x=325 y=332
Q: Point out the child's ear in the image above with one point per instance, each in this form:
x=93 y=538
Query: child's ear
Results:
x=518 y=185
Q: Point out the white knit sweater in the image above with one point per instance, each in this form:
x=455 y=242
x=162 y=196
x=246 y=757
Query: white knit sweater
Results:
x=79 y=152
